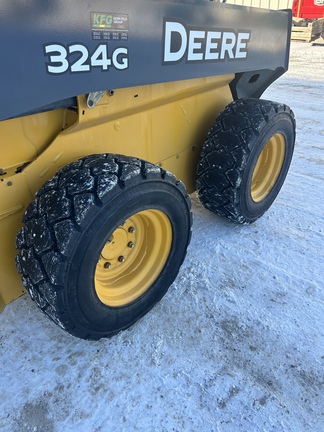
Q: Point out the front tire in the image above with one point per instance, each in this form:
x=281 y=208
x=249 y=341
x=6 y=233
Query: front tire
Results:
x=102 y=242
x=246 y=158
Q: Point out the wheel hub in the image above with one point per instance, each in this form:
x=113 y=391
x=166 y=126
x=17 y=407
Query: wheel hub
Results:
x=133 y=257
x=117 y=246
x=268 y=167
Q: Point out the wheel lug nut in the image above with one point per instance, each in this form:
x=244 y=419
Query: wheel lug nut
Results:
x=121 y=258
x=107 y=265
x=130 y=245
x=131 y=230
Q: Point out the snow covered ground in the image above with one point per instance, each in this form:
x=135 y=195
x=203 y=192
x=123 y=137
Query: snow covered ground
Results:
x=237 y=344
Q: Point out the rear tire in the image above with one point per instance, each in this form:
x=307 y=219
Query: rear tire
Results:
x=246 y=158
x=102 y=242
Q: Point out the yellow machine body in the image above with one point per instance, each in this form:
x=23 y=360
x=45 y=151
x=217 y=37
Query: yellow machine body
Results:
x=163 y=123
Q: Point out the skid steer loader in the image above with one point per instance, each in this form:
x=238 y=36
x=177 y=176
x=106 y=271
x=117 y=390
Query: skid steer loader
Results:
x=111 y=113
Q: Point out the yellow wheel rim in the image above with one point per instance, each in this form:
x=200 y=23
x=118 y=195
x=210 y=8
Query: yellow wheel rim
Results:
x=133 y=258
x=268 y=167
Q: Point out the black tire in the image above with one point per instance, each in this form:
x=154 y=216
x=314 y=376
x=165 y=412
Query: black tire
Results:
x=83 y=223
x=245 y=159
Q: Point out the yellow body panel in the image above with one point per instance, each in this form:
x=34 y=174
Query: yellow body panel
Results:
x=163 y=123
x=23 y=139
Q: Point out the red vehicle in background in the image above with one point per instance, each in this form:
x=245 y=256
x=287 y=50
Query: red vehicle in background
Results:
x=310 y=9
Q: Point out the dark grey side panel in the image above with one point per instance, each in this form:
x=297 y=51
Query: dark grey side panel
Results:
x=122 y=43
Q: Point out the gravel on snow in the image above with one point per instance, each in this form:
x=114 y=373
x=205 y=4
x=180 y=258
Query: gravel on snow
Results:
x=237 y=344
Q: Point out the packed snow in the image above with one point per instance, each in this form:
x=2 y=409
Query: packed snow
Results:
x=236 y=345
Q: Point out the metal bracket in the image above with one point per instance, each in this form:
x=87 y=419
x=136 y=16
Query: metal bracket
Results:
x=94 y=97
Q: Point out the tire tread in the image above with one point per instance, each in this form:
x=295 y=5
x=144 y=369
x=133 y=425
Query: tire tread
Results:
x=226 y=150
x=56 y=215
